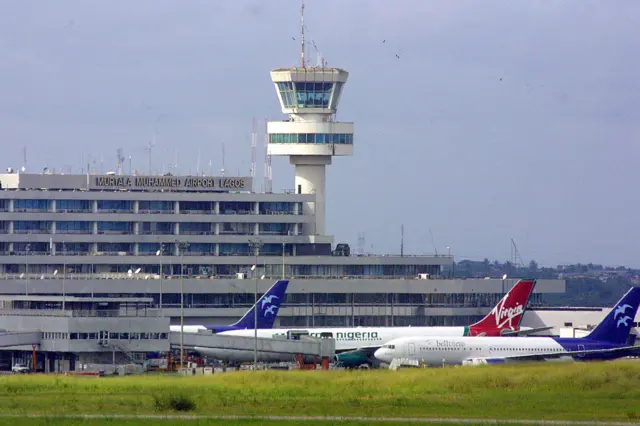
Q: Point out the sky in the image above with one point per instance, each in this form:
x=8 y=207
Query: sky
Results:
x=499 y=120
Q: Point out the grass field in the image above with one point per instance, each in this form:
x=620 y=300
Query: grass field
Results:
x=593 y=391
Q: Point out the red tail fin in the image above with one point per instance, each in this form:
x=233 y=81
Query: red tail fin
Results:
x=508 y=313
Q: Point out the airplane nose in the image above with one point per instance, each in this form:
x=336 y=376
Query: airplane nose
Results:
x=381 y=354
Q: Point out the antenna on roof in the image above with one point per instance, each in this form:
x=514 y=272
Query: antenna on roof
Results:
x=120 y=159
x=148 y=148
x=302 y=32
x=254 y=142
x=198 y=164
x=435 y=249
x=24 y=155
x=222 y=160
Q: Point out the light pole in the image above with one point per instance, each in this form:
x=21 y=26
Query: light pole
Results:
x=283 y=243
x=26 y=270
x=160 y=253
x=182 y=246
x=64 y=275
x=255 y=245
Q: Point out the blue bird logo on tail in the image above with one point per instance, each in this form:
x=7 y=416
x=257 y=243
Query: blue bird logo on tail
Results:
x=623 y=320
x=268 y=299
x=273 y=309
x=621 y=309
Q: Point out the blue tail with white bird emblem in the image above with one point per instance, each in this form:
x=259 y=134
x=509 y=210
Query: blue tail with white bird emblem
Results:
x=616 y=326
x=268 y=306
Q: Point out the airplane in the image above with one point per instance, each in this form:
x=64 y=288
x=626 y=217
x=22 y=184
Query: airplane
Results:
x=355 y=345
x=268 y=306
x=610 y=339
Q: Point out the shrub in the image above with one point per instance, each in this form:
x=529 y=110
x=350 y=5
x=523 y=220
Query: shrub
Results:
x=175 y=402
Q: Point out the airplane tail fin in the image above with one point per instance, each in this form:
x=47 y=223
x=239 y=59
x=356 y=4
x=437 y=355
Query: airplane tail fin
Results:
x=508 y=313
x=267 y=306
x=616 y=326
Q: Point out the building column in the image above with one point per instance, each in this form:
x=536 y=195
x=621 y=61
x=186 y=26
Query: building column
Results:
x=53 y=206
x=176 y=207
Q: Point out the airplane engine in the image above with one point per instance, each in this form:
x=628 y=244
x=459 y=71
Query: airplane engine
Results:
x=482 y=361
x=352 y=359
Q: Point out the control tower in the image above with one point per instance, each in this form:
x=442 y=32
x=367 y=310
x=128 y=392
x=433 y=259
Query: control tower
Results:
x=311 y=136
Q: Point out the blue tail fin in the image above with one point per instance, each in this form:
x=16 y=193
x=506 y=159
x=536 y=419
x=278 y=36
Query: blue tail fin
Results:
x=616 y=326
x=268 y=306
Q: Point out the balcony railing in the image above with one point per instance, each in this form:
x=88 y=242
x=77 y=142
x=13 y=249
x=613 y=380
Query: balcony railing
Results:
x=147 y=211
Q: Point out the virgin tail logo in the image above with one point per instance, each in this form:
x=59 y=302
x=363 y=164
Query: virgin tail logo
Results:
x=508 y=312
x=504 y=316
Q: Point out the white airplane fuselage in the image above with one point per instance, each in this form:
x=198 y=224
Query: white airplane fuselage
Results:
x=456 y=350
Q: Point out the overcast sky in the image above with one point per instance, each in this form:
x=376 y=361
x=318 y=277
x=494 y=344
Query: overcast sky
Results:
x=500 y=119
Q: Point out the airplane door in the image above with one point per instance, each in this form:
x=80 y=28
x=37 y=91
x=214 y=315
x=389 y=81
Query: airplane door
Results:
x=411 y=349
x=581 y=348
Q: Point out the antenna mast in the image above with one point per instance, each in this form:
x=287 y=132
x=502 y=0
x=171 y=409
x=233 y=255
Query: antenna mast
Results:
x=401 y=240
x=254 y=142
x=516 y=259
x=120 y=159
x=302 y=31
x=222 y=160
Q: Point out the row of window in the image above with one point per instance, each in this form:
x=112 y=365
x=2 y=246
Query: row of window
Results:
x=315 y=138
x=147 y=228
x=98 y=336
x=83 y=248
x=203 y=270
x=377 y=306
x=308 y=95
x=185 y=207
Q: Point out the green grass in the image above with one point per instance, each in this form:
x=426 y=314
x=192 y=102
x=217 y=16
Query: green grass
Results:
x=581 y=391
x=235 y=422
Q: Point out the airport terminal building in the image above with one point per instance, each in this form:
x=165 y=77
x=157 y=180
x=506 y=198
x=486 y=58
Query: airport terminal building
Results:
x=74 y=235
x=196 y=238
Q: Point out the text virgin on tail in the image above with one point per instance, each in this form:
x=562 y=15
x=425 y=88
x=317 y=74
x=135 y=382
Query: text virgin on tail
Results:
x=616 y=326
x=507 y=314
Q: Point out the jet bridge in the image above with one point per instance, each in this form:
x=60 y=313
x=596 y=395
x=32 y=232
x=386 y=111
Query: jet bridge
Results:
x=8 y=338
x=306 y=346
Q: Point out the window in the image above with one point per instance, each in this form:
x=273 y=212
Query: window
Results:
x=31 y=227
x=195 y=228
x=31 y=205
x=115 y=227
x=313 y=95
x=156 y=207
x=74 y=227
x=115 y=206
x=73 y=206
x=314 y=138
